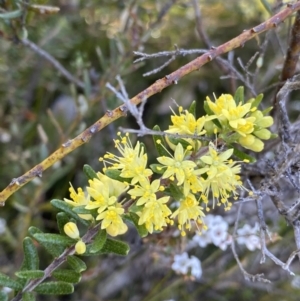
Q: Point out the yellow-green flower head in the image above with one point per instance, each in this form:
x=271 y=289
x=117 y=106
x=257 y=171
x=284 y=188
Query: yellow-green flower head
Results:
x=71 y=230
x=145 y=191
x=222 y=175
x=155 y=214
x=133 y=161
x=79 y=199
x=100 y=194
x=188 y=210
x=186 y=123
x=224 y=102
x=176 y=165
x=116 y=188
x=112 y=220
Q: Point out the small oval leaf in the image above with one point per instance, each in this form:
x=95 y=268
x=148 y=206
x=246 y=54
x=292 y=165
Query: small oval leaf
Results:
x=98 y=242
x=33 y=274
x=89 y=171
x=76 y=264
x=31 y=258
x=67 y=276
x=55 y=288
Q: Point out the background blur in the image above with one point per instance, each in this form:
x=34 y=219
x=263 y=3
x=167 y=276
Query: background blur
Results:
x=40 y=110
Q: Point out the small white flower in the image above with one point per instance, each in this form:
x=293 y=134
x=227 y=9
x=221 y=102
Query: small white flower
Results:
x=196 y=269
x=203 y=239
x=219 y=233
x=182 y=264
x=248 y=236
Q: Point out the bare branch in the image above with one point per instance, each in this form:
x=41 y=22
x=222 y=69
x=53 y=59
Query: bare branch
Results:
x=56 y=64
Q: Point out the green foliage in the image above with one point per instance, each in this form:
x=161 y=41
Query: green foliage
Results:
x=89 y=171
x=61 y=205
x=76 y=264
x=98 y=242
x=55 y=288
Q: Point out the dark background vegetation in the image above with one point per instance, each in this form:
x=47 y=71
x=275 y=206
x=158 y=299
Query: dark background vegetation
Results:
x=40 y=110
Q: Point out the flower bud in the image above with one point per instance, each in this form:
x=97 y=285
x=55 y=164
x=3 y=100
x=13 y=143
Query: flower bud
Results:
x=80 y=247
x=263 y=134
x=71 y=230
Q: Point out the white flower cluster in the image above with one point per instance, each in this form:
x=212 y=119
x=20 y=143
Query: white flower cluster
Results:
x=183 y=265
x=217 y=234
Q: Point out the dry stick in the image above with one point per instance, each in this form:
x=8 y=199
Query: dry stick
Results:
x=53 y=61
x=157 y=87
x=291 y=60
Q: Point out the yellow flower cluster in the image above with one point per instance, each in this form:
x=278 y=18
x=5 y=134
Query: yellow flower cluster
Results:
x=195 y=172
x=244 y=119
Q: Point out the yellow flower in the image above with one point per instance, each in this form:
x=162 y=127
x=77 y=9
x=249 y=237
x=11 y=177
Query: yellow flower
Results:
x=155 y=214
x=177 y=165
x=112 y=220
x=222 y=177
x=145 y=191
x=186 y=124
x=79 y=199
x=188 y=210
x=224 y=102
x=132 y=162
x=100 y=193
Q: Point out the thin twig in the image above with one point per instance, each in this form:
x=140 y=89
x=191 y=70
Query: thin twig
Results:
x=53 y=61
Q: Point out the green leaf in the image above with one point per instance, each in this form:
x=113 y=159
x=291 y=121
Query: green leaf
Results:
x=267 y=110
x=210 y=112
x=54 y=239
x=28 y=296
x=31 y=258
x=241 y=155
x=157 y=168
x=134 y=218
x=55 y=288
x=192 y=108
x=68 y=209
x=115 y=175
x=7 y=281
x=11 y=15
x=176 y=192
x=54 y=250
x=239 y=95
x=98 y=242
x=81 y=210
x=255 y=103
x=89 y=171
x=111 y=246
x=176 y=141
x=32 y=274
x=3 y=296
x=67 y=276
x=76 y=264
x=160 y=147
x=62 y=218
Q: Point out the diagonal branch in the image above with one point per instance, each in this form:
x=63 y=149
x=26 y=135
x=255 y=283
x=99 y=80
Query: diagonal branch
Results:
x=155 y=88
